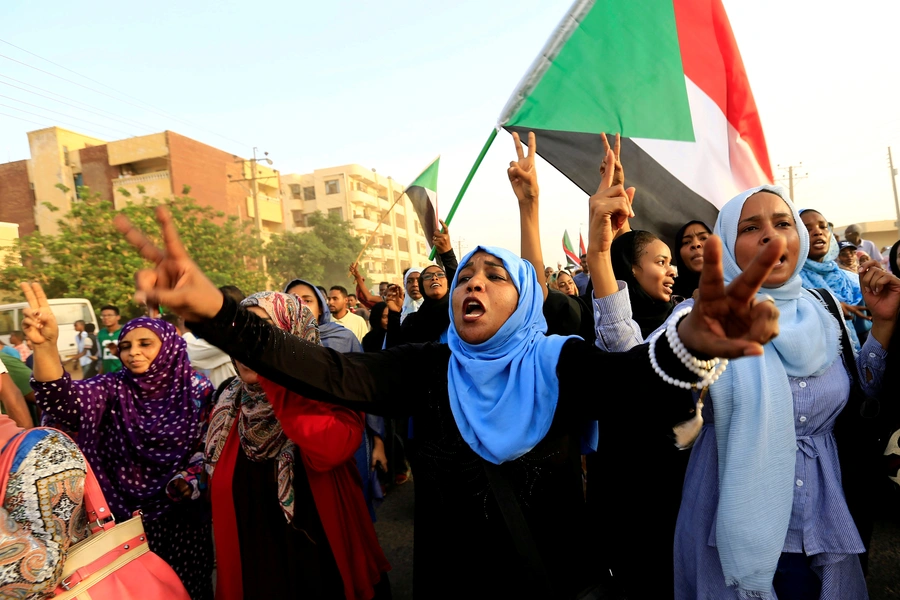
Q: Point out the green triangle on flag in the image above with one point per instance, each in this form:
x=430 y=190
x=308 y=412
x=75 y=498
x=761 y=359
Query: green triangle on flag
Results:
x=422 y=193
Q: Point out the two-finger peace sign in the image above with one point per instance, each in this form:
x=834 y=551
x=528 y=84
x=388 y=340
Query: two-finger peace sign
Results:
x=39 y=324
x=618 y=172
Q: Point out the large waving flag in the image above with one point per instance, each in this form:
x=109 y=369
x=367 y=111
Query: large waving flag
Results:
x=668 y=76
x=571 y=258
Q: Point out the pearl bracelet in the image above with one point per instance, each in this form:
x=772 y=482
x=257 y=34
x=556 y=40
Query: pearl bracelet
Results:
x=709 y=371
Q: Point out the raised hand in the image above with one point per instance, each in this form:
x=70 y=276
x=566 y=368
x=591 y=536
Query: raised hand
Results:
x=619 y=172
x=729 y=322
x=175 y=281
x=881 y=291
x=354 y=271
x=610 y=208
x=394 y=297
x=521 y=172
x=39 y=324
x=441 y=239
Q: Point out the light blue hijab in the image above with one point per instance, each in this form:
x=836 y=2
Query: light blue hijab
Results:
x=754 y=416
x=503 y=392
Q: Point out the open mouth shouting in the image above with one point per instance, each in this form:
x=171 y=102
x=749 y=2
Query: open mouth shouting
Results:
x=473 y=310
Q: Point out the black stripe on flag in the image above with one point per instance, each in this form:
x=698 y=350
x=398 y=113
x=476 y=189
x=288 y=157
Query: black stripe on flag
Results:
x=662 y=203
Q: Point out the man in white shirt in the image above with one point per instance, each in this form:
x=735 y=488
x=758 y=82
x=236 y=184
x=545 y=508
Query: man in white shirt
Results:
x=204 y=357
x=852 y=233
x=337 y=304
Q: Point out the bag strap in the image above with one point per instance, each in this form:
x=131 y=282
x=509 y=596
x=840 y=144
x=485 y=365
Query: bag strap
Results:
x=518 y=528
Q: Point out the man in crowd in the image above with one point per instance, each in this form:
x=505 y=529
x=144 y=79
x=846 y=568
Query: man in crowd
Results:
x=17 y=341
x=382 y=289
x=357 y=308
x=853 y=235
x=204 y=357
x=86 y=351
x=108 y=338
x=847 y=257
x=340 y=313
x=582 y=278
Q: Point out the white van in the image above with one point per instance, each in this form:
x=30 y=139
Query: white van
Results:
x=66 y=310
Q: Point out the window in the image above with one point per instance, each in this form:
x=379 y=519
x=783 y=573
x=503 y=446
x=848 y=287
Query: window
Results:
x=66 y=156
x=402 y=244
x=401 y=222
x=389 y=267
x=299 y=218
x=7 y=321
x=405 y=264
x=332 y=186
x=296 y=191
x=309 y=193
x=422 y=249
x=336 y=211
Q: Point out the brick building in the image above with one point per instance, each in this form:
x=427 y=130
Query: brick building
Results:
x=162 y=164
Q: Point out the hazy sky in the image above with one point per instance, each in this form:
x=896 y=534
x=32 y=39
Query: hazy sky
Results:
x=390 y=85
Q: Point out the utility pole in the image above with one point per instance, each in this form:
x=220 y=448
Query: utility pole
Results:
x=459 y=246
x=894 y=184
x=254 y=189
x=791 y=177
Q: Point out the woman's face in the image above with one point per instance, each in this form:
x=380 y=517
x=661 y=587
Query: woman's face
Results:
x=691 y=250
x=764 y=217
x=413 y=289
x=247 y=374
x=384 y=319
x=138 y=349
x=433 y=282
x=307 y=297
x=484 y=298
x=819 y=234
x=654 y=271
x=566 y=284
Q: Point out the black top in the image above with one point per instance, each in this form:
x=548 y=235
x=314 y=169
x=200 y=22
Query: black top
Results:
x=466 y=549
x=433 y=317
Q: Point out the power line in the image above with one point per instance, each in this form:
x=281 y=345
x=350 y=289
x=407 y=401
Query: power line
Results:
x=60 y=113
x=146 y=107
x=51 y=118
x=19 y=118
x=69 y=101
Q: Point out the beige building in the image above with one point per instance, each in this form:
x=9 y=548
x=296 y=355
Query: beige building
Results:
x=9 y=233
x=881 y=233
x=159 y=165
x=361 y=197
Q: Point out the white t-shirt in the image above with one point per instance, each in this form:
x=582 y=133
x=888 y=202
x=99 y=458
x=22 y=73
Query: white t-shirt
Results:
x=83 y=342
x=354 y=323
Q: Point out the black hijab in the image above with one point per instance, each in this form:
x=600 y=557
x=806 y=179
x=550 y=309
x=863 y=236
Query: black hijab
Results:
x=688 y=280
x=374 y=340
x=893 y=259
x=432 y=319
x=648 y=313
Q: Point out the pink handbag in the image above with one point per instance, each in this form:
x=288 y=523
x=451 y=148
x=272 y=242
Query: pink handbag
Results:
x=114 y=562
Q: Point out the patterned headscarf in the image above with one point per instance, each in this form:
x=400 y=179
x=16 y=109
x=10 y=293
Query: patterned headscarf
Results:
x=259 y=431
x=154 y=419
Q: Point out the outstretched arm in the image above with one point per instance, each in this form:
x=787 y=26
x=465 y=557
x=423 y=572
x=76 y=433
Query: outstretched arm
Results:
x=523 y=178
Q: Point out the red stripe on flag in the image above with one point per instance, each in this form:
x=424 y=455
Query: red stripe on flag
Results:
x=711 y=59
x=581 y=251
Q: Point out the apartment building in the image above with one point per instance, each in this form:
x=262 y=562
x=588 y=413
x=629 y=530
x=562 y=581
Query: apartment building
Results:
x=364 y=198
x=161 y=164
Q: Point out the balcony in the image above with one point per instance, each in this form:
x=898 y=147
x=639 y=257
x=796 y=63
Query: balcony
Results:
x=363 y=224
x=141 y=179
x=154 y=185
x=269 y=208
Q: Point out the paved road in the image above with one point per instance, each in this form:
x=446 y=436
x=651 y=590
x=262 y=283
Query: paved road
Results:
x=395 y=532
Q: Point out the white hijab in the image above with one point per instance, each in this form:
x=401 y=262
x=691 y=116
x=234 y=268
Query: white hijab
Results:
x=409 y=305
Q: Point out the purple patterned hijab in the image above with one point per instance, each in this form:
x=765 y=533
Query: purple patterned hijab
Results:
x=152 y=424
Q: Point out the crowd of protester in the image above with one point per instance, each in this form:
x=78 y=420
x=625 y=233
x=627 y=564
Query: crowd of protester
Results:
x=701 y=417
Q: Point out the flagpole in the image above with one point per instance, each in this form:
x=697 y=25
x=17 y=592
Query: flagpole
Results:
x=466 y=183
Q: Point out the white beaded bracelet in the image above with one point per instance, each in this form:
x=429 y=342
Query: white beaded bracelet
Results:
x=709 y=371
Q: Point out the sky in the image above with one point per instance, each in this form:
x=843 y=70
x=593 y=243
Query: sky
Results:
x=391 y=85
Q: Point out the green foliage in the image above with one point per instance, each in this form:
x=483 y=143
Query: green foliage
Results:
x=90 y=259
x=321 y=255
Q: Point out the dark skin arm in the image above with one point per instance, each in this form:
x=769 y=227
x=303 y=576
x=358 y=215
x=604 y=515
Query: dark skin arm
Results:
x=14 y=403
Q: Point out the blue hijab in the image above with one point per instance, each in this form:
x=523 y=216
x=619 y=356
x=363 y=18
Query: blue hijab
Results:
x=828 y=274
x=503 y=391
x=331 y=335
x=754 y=416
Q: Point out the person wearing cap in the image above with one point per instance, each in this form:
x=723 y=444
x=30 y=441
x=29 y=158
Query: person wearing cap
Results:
x=847 y=257
x=853 y=235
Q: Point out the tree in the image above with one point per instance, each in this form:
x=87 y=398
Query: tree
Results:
x=90 y=259
x=321 y=255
